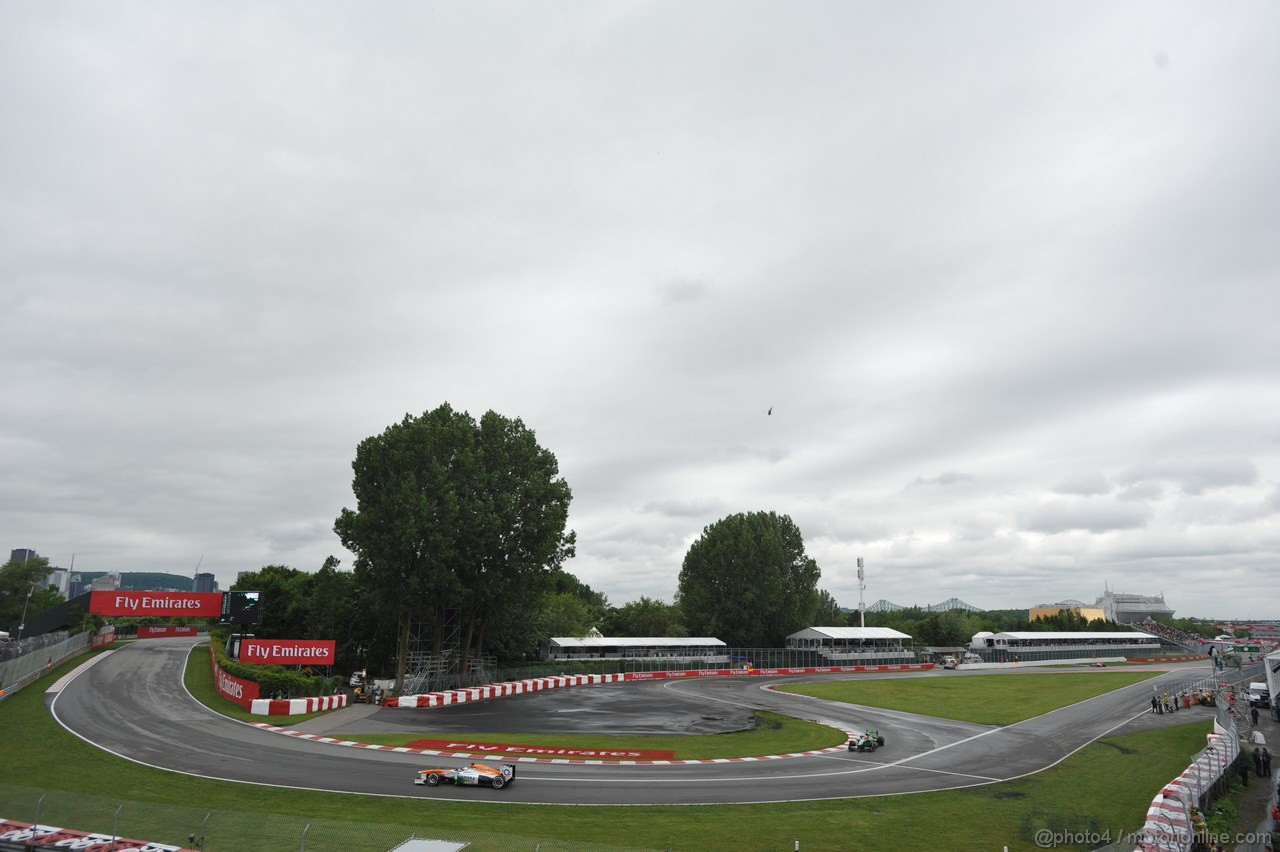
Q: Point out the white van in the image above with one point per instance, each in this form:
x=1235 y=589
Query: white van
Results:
x=1259 y=695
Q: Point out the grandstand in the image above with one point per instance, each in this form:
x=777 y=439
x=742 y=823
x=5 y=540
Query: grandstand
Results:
x=1025 y=646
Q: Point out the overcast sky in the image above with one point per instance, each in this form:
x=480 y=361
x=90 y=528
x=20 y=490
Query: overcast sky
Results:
x=1008 y=275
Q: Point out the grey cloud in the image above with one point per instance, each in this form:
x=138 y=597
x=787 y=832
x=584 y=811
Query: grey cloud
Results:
x=705 y=507
x=1147 y=490
x=234 y=247
x=684 y=290
x=943 y=480
x=1096 y=516
x=1195 y=476
x=1084 y=484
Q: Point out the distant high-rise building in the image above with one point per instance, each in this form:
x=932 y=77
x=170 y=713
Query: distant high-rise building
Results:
x=58 y=579
x=206 y=583
x=108 y=582
x=22 y=554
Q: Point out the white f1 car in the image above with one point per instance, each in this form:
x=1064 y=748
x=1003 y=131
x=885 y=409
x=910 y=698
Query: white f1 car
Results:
x=473 y=774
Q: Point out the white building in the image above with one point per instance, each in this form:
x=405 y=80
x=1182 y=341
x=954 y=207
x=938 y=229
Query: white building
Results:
x=852 y=643
x=594 y=646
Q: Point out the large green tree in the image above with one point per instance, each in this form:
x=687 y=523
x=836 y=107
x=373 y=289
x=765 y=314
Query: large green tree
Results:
x=21 y=588
x=285 y=602
x=645 y=617
x=748 y=582
x=456 y=517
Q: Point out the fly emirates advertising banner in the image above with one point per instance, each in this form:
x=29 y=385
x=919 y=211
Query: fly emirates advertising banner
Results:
x=198 y=604
x=288 y=652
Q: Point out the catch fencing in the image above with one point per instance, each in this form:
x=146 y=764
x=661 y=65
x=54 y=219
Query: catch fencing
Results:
x=28 y=659
x=1174 y=822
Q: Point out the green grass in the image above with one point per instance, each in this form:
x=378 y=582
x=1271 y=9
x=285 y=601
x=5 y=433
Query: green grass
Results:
x=983 y=699
x=1112 y=782
x=773 y=734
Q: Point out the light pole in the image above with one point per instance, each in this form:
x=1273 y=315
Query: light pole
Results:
x=23 y=622
x=862 y=605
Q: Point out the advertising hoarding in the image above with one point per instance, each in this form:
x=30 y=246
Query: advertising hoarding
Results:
x=288 y=652
x=196 y=604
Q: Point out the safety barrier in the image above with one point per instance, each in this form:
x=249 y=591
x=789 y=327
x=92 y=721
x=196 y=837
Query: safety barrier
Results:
x=41 y=654
x=296 y=706
x=1173 y=823
x=499 y=690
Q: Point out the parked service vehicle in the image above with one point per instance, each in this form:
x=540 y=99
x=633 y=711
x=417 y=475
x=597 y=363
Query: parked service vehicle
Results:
x=869 y=740
x=949 y=663
x=471 y=775
x=1259 y=695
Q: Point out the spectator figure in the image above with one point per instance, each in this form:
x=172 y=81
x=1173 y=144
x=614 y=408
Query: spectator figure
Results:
x=1257 y=762
x=1253 y=714
x=1266 y=763
x=1155 y=702
x=1243 y=767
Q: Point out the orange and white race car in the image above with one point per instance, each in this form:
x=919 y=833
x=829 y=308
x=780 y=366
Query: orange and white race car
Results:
x=473 y=774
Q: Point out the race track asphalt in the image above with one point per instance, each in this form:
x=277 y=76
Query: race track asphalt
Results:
x=132 y=703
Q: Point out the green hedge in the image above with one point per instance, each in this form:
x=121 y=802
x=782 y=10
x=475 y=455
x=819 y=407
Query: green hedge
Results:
x=271 y=680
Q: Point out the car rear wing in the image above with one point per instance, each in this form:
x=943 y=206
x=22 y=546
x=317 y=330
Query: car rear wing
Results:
x=509 y=771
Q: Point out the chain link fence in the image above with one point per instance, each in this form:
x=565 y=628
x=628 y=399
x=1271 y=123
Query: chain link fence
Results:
x=25 y=660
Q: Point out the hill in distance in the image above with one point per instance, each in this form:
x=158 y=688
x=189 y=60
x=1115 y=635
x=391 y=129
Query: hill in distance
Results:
x=144 y=581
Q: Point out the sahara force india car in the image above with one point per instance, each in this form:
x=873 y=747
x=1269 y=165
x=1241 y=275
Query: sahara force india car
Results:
x=473 y=774
x=867 y=741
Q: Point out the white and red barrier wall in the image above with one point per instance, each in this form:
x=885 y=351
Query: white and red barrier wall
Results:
x=24 y=835
x=519 y=687
x=245 y=693
x=296 y=706
x=241 y=691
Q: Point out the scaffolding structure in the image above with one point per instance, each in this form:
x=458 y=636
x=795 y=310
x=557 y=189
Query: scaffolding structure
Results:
x=428 y=671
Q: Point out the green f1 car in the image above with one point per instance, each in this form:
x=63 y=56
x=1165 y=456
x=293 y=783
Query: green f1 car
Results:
x=869 y=740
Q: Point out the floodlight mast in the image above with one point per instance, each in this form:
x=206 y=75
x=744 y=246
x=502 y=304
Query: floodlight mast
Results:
x=862 y=586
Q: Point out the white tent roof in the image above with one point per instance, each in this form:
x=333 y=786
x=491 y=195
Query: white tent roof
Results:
x=3 y=635
x=635 y=642
x=849 y=633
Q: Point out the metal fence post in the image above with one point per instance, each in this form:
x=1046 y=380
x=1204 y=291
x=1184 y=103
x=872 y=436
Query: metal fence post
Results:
x=39 y=802
x=307 y=828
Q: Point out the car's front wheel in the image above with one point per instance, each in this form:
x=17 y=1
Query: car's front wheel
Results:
x=433 y=779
